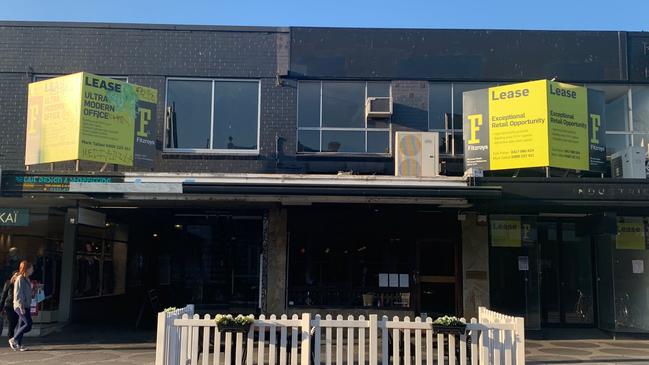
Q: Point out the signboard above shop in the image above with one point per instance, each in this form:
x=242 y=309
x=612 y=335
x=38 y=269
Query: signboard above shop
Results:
x=534 y=124
x=88 y=117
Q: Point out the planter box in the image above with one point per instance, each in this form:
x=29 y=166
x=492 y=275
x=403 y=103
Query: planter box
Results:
x=233 y=328
x=451 y=330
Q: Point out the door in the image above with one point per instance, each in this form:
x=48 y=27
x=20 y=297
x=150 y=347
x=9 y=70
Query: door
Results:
x=565 y=275
x=438 y=289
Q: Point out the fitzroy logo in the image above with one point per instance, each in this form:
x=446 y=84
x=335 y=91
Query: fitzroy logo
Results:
x=145 y=118
x=595 y=120
x=475 y=121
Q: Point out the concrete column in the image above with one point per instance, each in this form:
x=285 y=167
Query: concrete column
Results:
x=277 y=261
x=67 y=265
x=475 y=265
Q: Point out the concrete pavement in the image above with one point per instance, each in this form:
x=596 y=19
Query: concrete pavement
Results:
x=85 y=345
x=117 y=345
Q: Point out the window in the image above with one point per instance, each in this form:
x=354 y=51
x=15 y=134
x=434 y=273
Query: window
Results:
x=627 y=116
x=445 y=114
x=331 y=118
x=212 y=115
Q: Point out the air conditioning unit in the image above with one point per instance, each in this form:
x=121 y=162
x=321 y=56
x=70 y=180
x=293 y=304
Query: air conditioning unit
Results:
x=629 y=163
x=378 y=107
x=417 y=154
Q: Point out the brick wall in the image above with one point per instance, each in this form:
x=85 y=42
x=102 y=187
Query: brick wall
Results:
x=149 y=54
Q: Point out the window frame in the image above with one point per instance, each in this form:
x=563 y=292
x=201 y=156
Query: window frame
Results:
x=321 y=129
x=631 y=132
x=213 y=151
x=451 y=133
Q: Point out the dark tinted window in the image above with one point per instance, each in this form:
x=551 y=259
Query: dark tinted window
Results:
x=331 y=117
x=378 y=89
x=343 y=141
x=235 y=115
x=308 y=104
x=439 y=105
x=343 y=104
x=308 y=141
x=192 y=101
x=232 y=124
x=378 y=142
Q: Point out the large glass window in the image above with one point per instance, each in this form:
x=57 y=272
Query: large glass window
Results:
x=39 y=240
x=331 y=118
x=445 y=113
x=212 y=115
x=627 y=116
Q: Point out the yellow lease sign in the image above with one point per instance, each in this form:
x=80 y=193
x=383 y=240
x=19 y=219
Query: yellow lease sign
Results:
x=568 y=126
x=630 y=233
x=505 y=231
x=84 y=117
x=518 y=116
x=53 y=120
x=534 y=124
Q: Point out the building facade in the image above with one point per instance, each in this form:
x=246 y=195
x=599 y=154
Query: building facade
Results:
x=272 y=191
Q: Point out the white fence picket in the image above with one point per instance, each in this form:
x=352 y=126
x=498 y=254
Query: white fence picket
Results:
x=474 y=343
x=217 y=346
x=350 y=342
x=451 y=349
x=361 y=343
x=339 y=342
x=440 y=348
x=272 y=340
x=206 y=342
x=385 y=341
x=417 y=343
x=328 y=341
x=374 y=333
x=262 y=340
x=228 y=348
x=429 y=343
x=406 y=342
x=250 y=345
x=396 y=351
x=294 y=341
x=317 y=340
x=282 y=348
x=463 y=357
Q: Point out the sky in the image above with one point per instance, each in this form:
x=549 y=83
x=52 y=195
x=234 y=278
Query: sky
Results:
x=628 y=15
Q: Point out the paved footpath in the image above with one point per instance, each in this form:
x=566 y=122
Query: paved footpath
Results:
x=84 y=345
x=106 y=345
x=604 y=352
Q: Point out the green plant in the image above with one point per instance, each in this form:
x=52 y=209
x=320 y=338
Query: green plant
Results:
x=448 y=321
x=228 y=319
x=170 y=309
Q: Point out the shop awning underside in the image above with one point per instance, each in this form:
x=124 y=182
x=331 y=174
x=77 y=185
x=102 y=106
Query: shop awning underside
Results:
x=291 y=189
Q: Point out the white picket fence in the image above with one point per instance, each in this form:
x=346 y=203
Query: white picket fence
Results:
x=167 y=349
x=190 y=340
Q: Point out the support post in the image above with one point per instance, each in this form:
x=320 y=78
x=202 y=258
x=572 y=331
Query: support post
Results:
x=161 y=343
x=374 y=338
x=306 y=339
x=519 y=340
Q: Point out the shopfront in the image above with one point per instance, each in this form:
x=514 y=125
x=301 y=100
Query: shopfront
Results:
x=35 y=234
x=578 y=263
x=391 y=259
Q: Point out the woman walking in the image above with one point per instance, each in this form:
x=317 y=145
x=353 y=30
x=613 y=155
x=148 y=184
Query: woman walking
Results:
x=7 y=305
x=22 y=304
